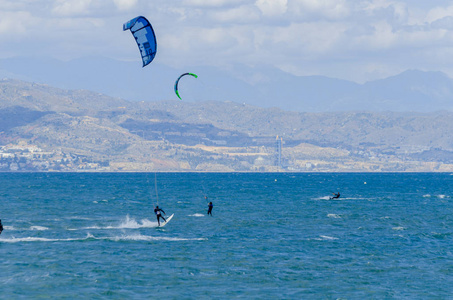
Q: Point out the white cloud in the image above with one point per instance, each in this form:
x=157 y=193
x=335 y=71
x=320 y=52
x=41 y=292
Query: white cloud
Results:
x=305 y=39
x=438 y=13
x=272 y=7
x=443 y=23
x=350 y=36
x=71 y=7
x=10 y=26
x=238 y=15
x=313 y=9
x=401 y=12
x=213 y=3
x=125 y=4
x=382 y=37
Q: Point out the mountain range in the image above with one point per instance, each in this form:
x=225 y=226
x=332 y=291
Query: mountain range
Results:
x=261 y=86
x=44 y=128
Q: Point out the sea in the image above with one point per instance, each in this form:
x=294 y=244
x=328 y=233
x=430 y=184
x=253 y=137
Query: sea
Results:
x=270 y=236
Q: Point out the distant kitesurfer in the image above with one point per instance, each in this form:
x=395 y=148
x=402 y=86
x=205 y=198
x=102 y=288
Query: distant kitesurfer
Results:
x=335 y=195
x=210 y=206
x=157 y=211
x=1 y=227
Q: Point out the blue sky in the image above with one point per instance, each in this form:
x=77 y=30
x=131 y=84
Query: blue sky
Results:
x=355 y=40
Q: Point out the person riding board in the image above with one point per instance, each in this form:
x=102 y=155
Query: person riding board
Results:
x=210 y=206
x=336 y=195
x=1 y=227
x=158 y=211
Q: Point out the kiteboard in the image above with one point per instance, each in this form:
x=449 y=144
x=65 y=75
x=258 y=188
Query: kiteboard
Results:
x=168 y=220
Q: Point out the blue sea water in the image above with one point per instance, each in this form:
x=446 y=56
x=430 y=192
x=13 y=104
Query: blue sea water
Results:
x=271 y=236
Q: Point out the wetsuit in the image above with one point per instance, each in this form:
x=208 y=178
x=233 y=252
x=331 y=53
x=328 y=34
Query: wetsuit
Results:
x=337 y=195
x=1 y=227
x=157 y=211
x=210 y=206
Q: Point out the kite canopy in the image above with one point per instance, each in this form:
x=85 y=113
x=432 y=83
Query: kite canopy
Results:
x=144 y=36
x=177 y=81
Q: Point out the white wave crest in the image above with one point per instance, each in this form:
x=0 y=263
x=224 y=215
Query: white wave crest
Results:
x=38 y=228
x=131 y=223
x=136 y=237
x=334 y=216
x=139 y=237
x=326 y=237
x=196 y=215
x=27 y=239
x=36 y=239
x=128 y=223
x=398 y=228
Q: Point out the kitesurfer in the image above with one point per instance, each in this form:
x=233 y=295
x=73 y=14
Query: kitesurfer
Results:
x=1 y=227
x=335 y=195
x=157 y=211
x=210 y=206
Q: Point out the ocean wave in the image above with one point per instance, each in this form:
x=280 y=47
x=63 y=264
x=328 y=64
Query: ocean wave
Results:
x=334 y=216
x=38 y=228
x=32 y=239
x=139 y=237
x=104 y=201
x=135 y=237
x=441 y=196
x=439 y=235
x=326 y=238
x=398 y=228
x=78 y=218
x=128 y=223
x=196 y=215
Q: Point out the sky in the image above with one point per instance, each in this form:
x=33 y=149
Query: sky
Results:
x=355 y=40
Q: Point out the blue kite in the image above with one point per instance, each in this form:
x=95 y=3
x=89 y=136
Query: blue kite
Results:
x=144 y=35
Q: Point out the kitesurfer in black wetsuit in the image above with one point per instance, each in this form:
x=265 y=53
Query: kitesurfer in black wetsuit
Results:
x=1 y=227
x=157 y=211
x=336 y=196
x=210 y=206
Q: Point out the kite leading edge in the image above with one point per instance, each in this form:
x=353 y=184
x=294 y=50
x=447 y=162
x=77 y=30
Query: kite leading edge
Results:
x=144 y=35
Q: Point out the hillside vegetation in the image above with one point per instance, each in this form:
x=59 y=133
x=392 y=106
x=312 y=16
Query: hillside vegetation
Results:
x=44 y=128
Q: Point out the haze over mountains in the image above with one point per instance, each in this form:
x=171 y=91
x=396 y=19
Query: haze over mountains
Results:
x=101 y=114
x=261 y=86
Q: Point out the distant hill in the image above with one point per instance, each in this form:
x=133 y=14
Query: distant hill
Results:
x=260 y=86
x=84 y=130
